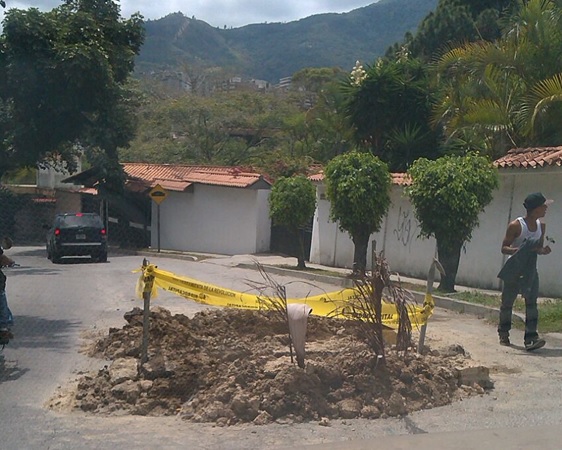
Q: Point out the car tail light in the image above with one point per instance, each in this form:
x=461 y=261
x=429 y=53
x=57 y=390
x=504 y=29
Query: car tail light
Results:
x=103 y=232
x=57 y=231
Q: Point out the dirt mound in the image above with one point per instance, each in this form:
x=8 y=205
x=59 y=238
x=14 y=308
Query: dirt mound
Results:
x=234 y=366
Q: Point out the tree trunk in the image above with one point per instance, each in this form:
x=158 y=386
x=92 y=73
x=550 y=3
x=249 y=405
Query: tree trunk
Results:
x=361 y=241
x=300 y=256
x=449 y=255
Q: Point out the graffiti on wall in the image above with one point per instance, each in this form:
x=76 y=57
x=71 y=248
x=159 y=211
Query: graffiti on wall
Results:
x=406 y=227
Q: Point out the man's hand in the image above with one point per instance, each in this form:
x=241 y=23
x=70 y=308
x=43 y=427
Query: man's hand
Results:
x=6 y=261
x=544 y=250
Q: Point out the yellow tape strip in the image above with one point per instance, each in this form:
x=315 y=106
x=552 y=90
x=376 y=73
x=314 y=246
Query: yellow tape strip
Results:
x=333 y=304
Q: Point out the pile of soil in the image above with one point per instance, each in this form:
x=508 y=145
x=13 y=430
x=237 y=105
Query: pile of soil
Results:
x=234 y=366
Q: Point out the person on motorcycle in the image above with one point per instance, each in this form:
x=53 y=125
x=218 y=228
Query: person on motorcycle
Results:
x=6 y=318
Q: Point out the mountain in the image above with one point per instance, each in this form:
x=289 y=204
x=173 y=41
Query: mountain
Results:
x=271 y=51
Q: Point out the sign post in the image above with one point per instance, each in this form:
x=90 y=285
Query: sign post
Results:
x=148 y=279
x=158 y=194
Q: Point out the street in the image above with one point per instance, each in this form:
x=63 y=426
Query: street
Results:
x=59 y=308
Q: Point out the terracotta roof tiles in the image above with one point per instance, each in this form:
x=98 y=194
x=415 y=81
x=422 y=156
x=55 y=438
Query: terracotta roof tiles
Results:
x=177 y=177
x=400 y=179
x=528 y=158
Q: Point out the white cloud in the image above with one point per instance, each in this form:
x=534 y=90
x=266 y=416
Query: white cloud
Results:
x=232 y=13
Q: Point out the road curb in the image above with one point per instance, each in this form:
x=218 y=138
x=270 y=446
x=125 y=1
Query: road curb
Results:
x=155 y=253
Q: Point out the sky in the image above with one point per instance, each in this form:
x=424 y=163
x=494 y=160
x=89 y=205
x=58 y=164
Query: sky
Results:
x=218 y=13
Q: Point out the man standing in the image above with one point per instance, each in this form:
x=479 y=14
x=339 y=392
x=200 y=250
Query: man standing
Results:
x=6 y=319
x=523 y=241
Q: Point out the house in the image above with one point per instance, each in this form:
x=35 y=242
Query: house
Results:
x=521 y=171
x=210 y=209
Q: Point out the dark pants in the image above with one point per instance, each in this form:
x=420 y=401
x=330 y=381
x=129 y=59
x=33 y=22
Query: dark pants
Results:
x=509 y=293
x=6 y=318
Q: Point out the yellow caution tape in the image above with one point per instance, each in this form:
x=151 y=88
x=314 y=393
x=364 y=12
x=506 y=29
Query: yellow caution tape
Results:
x=334 y=304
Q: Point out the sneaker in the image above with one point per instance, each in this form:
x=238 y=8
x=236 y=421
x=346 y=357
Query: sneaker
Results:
x=534 y=344
x=5 y=336
x=504 y=340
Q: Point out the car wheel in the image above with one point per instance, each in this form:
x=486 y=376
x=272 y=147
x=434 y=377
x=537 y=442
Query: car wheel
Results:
x=55 y=257
x=102 y=257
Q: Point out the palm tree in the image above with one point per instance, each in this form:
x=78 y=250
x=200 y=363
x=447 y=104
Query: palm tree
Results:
x=506 y=94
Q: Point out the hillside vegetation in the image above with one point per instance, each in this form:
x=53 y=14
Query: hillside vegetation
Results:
x=271 y=51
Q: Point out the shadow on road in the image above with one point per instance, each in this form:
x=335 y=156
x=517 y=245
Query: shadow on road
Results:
x=25 y=270
x=41 y=252
x=9 y=370
x=36 y=332
x=543 y=352
x=53 y=269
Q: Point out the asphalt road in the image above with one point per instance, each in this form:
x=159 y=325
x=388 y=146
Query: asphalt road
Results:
x=57 y=307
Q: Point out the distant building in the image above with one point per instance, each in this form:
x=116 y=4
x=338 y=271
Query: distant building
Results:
x=240 y=84
x=260 y=85
x=284 y=84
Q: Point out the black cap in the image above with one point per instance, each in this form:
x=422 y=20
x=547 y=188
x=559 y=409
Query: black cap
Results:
x=535 y=200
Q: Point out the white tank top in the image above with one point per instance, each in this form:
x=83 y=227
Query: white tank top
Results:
x=526 y=234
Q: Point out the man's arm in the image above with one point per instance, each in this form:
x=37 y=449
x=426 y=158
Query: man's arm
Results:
x=512 y=232
x=541 y=249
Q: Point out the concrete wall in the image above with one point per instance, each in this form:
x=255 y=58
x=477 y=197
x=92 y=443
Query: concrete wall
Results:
x=213 y=219
x=51 y=178
x=481 y=260
x=263 y=231
x=398 y=238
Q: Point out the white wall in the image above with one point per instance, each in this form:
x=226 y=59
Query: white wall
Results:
x=398 y=238
x=51 y=178
x=481 y=259
x=263 y=222
x=213 y=219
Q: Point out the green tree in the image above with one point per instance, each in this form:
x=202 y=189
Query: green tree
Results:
x=505 y=94
x=389 y=110
x=455 y=22
x=234 y=128
x=64 y=82
x=10 y=206
x=292 y=204
x=448 y=194
x=358 y=187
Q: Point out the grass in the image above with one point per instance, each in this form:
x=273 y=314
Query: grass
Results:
x=550 y=316
x=480 y=298
x=550 y=310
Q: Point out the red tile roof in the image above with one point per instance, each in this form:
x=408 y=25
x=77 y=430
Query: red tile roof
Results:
x=317 y=177
x=400 y=179
x=177 y=177
x=529 y=158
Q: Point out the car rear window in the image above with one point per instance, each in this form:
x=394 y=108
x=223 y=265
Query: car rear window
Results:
x=80 y=221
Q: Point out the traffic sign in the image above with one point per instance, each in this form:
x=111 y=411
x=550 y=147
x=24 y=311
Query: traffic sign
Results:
x=158 y=194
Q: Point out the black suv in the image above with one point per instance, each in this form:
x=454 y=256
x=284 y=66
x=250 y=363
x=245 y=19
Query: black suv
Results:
x=77 y=234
